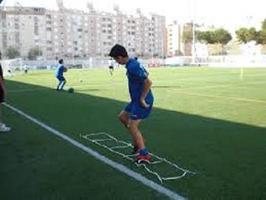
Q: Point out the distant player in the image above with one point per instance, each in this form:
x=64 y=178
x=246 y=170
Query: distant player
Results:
x=3 y=127
x=141 y=102
x=111 y=66
x=26 y=69
x=60 y=69
x=9 y=72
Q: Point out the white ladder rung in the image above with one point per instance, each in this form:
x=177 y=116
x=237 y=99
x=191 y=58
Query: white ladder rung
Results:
x=120 y=147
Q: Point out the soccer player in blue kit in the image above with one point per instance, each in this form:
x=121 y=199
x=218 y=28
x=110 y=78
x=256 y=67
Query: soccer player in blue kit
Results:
x=60 y=69
x=141 y=102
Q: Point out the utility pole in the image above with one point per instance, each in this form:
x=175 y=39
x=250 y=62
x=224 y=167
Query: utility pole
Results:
x=193 y=34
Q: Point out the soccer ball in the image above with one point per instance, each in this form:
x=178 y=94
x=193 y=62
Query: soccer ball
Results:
x=71 y=90
x=65 y=69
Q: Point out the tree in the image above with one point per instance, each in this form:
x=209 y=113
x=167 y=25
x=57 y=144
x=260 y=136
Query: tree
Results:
x=263 y=27
x=206 y=36
x=222 y=36
x=34 y=53
x=12 y=52
x=242 y=35
x=219 y=36
x=261 y=35
x=246 y=35
x=253 y=34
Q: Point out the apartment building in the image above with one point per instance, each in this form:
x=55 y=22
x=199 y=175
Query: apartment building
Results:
x=22 y=28
x=174 y=35
x=180 y=39
x=81 y=33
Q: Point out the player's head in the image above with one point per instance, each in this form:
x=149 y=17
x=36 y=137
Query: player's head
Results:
x=61 y=61
x=119 y=53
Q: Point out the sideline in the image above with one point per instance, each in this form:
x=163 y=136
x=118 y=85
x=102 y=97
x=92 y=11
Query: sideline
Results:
x=149 y=183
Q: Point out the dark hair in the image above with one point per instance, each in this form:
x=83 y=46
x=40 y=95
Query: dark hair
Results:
x=118 y=50
x=61 y=61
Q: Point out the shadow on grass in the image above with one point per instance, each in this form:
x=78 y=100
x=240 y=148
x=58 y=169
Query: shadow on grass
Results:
x=228 y=157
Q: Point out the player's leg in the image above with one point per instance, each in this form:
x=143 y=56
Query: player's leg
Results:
x=110 y=70
x=125 y=114
x=1 y=101
x=3 y=127
x=133 y=126
x=124 y=119
x=143 y=153
x=59 y=83
x=137 y=114
x=62 y=83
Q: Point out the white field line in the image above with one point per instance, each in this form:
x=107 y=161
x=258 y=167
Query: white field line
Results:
x=149 y=183
x=222 y=97
x=214 y=86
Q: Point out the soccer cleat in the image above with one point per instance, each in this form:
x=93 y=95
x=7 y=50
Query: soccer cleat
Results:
x=135 y=150
x=4 y=128
x=143 y=159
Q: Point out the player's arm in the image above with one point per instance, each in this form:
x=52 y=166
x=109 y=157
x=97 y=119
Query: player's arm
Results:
x=64 y=69
x=146 y=89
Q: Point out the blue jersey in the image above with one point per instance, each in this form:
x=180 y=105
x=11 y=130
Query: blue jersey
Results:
x=137 y=74
x=59 y=70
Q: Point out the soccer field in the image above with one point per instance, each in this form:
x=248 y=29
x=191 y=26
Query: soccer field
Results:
x=211 y=121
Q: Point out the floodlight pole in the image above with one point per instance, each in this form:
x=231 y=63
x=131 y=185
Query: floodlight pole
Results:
x=193 y=34
x=193 y=43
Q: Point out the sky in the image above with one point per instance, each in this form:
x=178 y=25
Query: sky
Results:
x=224 y=13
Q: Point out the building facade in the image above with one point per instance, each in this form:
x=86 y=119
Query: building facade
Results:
x=80 y=33
x=174 y=39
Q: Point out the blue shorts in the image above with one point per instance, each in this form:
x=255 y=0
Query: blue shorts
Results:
x=60 y=78
x=137 y=111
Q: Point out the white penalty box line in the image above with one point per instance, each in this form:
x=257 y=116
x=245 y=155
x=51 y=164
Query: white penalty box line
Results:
x=116 y=146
